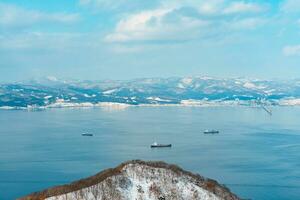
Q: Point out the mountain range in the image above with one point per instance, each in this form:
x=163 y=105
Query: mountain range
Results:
x=53 y=92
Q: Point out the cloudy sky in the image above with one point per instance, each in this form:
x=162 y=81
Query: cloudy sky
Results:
x=124 y=39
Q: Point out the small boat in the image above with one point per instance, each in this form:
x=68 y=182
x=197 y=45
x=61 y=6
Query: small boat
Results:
x=87 y=134
x=211 y=132
x=155 y=145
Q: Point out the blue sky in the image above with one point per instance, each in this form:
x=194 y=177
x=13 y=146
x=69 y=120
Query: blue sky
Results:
x=124 y=39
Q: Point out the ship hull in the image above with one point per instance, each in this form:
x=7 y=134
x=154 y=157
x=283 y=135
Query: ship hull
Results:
x=161 y=145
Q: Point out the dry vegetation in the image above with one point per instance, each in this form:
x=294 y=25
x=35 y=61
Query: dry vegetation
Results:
x=207 y=184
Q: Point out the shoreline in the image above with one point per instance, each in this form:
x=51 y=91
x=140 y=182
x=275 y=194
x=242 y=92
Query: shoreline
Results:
x=121 y=106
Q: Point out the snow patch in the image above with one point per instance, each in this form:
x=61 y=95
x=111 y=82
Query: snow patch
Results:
x=48 y=97
x=250 y=85
x=180 y=85
x=187 y=81
x=109 y=91
x=89 y=96
x=52 y=78
x=158 y=99
x=145 y=183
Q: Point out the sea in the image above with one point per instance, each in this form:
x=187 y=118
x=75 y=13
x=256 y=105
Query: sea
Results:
x=255 y=155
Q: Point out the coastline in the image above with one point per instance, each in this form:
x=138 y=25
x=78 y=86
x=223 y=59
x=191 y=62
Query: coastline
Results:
x=120 y=106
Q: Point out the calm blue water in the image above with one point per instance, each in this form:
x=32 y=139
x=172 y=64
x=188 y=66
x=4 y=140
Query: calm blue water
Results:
x=256 y=155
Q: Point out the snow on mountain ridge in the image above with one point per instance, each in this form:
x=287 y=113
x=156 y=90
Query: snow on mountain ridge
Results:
x=174 y=89
x=139 y=180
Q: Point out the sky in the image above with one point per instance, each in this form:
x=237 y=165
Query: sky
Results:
x=126 y=39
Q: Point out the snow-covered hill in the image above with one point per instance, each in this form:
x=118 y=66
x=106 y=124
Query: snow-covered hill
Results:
x=52 y=92
x=139 y=180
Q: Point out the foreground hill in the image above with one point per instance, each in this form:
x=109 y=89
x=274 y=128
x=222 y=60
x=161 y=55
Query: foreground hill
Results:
x=52 y=92
x=139 y=180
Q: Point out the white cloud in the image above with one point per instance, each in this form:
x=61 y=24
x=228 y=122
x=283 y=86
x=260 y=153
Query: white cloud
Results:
x=42 y=40
x=186 y=20
x=14 y=16
x=101 y=3
x=246 y=23
x=159 y=24
x=289 y=11
x=212 y=7
x=289 y=6
x=243 y=7
x=120 y=6
x=293 y=50
x=84 y=2
x=203 y=6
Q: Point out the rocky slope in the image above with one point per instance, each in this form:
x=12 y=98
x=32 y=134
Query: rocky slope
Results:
x=139 y=180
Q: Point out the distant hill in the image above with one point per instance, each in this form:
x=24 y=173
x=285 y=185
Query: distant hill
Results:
x=52 y=92
x=139 y=180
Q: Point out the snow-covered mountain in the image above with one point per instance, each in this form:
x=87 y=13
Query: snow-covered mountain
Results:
x=139 y=180
x=53 y=92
